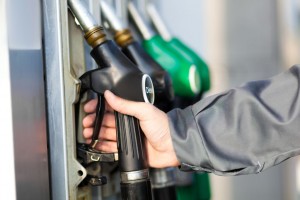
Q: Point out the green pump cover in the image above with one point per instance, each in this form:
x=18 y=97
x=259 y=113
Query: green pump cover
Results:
x=191 y=56
x=185 y=75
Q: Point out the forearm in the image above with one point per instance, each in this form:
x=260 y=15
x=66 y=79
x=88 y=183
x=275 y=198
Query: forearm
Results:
x=242 y=131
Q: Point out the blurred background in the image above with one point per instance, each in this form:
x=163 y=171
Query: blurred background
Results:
x=239 y=40
x=242 y=41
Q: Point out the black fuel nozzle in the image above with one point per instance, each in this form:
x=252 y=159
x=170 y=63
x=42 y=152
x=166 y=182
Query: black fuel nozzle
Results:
x=118 y=74
x=162 y=82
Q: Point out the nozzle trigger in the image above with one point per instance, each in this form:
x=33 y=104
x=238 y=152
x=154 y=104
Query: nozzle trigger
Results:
x=98 y=120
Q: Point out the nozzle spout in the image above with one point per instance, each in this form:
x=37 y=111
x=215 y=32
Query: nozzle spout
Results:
x=93 y=32
x=140 y=22
x=111 y=21
x=157 y=21
x=82 y=14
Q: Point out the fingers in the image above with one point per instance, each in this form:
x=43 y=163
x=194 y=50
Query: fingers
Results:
x=90 y=106
x=108 y=120
x=88 y=121
x=108 y=107
x=106 y=146
x=123 y=106
x=105 y=133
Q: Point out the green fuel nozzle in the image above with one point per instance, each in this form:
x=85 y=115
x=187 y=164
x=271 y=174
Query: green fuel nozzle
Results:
x=179 y=46
x=118 y=74
x=133 y=50
x=185 y=75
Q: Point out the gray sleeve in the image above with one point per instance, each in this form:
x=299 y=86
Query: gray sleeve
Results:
x=243 y=130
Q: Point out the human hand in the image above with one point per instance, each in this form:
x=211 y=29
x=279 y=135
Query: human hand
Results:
x=153 y=122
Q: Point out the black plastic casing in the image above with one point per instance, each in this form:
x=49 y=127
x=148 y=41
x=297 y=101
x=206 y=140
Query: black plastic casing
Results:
x=164 y=94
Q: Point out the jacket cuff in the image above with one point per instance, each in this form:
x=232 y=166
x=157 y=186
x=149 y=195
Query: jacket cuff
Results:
x=187 y=144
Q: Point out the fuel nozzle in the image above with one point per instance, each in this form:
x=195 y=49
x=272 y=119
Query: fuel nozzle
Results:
x=185 y=75
x=118 y=74
x=133 y=50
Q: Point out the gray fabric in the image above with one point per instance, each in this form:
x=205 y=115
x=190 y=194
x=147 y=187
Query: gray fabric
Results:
x=243 y=130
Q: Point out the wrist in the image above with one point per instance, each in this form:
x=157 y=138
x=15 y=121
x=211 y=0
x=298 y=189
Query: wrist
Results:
x=172 y=157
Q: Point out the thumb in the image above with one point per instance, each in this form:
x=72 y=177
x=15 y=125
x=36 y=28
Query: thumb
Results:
x=124 y=106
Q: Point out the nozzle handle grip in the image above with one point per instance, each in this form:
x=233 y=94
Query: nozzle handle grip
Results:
x=130 y=143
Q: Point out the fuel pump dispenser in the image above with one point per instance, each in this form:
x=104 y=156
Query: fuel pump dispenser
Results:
x=185 y=75
x=163 y=183
x=116 y=73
